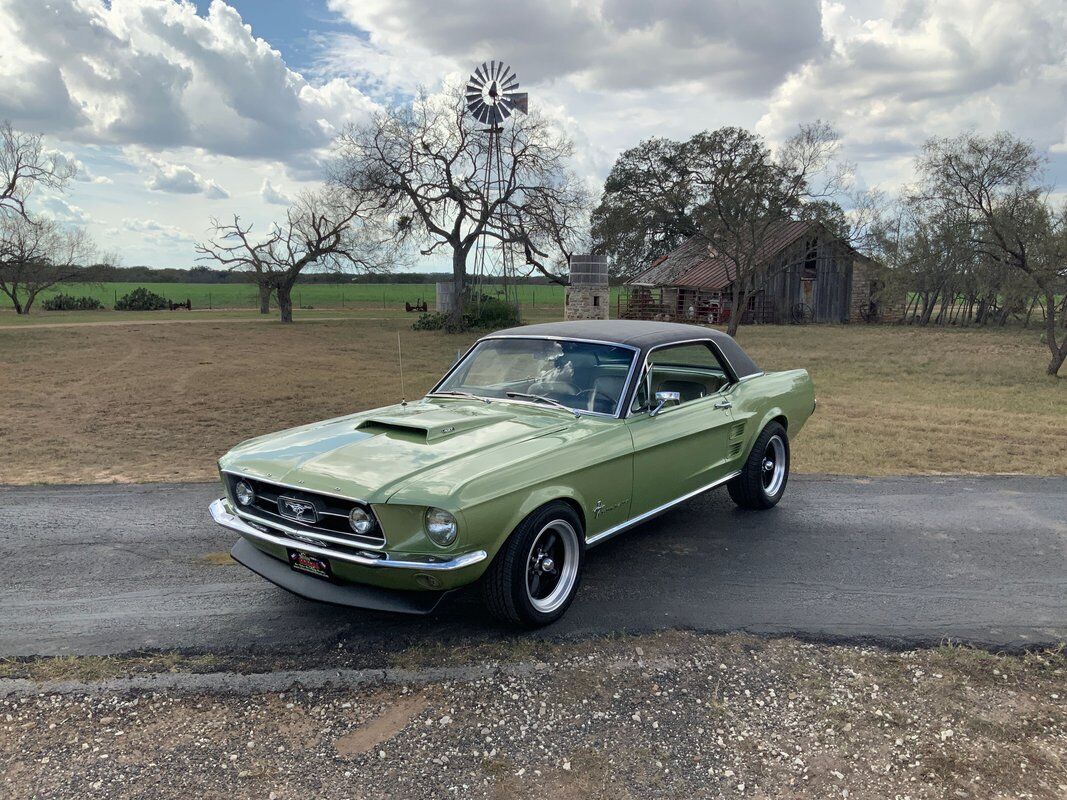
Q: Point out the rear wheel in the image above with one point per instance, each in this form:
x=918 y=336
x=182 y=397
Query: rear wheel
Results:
x=534 y=577
x=762 y=481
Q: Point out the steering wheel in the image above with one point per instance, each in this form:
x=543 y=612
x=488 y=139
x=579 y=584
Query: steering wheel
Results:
x=553 y=387
x=593 y=396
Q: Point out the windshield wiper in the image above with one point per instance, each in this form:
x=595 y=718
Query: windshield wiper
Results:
x=541 y=398
x=451 y=393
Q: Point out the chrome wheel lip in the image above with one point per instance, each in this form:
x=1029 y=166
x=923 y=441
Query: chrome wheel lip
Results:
x=568 y=569
x=773 y=466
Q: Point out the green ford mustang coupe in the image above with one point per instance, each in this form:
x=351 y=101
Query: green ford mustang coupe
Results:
x=540 y=442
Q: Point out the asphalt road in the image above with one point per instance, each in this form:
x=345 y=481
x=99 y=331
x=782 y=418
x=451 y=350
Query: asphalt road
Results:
x=109 y=569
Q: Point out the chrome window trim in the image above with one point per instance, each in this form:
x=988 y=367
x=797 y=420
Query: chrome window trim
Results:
x=623 y=526
x=622 y=398
x=223 y=517
x=372 y=543
x=731 y=372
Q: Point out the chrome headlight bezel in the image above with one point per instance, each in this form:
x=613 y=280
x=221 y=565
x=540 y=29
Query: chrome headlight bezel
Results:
x=441 y=526
x=244 y=494
x=361 y=521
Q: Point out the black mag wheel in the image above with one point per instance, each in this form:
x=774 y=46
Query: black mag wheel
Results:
x=536 y=573
x=552 y=566
x=765 y=472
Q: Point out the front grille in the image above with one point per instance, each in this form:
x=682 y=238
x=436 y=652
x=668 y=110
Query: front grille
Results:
x=332 y=512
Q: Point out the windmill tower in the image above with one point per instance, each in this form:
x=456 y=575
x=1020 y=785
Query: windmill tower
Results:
x=492 y=96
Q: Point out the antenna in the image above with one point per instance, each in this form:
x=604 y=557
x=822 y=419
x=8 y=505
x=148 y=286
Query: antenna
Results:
x=400 y=360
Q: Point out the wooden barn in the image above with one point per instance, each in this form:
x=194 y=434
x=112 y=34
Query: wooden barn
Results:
x=809 y=275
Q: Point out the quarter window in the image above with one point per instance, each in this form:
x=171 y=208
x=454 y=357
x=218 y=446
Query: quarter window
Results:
x=693 y=370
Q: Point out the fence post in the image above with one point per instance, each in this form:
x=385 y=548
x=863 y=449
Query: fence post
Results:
x=209 y=301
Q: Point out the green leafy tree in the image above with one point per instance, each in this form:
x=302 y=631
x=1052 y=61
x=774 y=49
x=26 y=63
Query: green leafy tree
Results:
x=646 y=209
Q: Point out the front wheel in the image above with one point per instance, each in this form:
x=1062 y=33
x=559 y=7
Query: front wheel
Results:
x=761 y=483
x=534 y=577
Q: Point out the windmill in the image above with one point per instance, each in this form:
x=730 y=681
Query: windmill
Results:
x=491 y=95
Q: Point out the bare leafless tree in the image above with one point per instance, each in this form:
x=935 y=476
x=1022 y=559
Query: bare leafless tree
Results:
x=427 y=162
x=993 y=183
x=38 y=253
x=744 y=192
x=324 y=229
x=25 y=163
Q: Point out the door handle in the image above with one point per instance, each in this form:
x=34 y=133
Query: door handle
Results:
x=724 y=404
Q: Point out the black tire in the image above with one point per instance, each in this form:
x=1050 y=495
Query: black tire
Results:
x=759 y=486
x=507 y=583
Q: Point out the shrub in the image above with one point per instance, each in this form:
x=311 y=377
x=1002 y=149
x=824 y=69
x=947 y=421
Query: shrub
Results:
x=490 y=313
x=64 y=302
x=140 y=299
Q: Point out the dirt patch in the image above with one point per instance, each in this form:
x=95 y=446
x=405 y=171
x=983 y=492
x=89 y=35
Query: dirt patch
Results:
x=220 y=558
x=671 y=715
x=393 y=719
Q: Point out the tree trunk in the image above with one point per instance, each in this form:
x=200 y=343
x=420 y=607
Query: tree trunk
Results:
x=264 y=297
x=1059 y=351
x=285 y=301
x=740 y=300
x=459 y=289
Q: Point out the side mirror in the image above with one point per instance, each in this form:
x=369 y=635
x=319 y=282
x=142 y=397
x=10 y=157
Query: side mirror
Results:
x=662 y=398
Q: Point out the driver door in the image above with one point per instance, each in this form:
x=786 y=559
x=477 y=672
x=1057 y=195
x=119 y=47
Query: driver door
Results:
x=685 y=446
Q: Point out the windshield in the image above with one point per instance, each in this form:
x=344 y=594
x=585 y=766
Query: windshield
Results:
x=579 y=375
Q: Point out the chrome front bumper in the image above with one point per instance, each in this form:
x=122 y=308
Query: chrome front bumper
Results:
x=224 y=517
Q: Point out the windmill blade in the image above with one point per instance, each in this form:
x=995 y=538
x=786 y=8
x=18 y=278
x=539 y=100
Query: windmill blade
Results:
x=482 y=71
x=520 y=100
x=510 y=85
x=505 y=74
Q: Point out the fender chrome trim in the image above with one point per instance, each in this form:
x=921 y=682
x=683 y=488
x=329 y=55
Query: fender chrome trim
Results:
x=222 y=515
x=603 y=536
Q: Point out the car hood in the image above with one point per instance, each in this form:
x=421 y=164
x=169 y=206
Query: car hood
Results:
x=370 y=455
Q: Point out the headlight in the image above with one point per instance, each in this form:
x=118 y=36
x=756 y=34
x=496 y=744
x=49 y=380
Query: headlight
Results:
x=441 y=526
x=360 y=520
x=244 y=494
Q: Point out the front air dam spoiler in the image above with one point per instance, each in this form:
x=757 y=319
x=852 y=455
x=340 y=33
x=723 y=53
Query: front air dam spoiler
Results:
x=352 y=595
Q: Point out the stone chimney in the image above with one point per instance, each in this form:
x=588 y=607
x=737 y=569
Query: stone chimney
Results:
x=588 y=295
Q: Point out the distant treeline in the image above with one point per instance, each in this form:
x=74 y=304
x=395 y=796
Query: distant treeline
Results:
x=106 y=274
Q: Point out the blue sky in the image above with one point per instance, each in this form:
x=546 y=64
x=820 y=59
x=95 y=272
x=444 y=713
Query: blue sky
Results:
x=179 y=112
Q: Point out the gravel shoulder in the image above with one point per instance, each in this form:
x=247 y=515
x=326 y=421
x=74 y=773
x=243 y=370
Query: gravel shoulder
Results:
x=667 y=715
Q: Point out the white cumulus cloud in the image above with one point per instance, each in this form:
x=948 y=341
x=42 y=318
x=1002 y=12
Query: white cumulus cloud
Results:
x=269 y=193
x=158 y=74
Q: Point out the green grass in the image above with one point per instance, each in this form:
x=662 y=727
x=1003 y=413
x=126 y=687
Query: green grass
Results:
x=386 y=296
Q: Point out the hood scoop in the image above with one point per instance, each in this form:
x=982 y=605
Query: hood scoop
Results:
x=432 y=424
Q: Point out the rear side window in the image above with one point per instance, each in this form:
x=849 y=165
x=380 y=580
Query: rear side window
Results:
x=694 y=370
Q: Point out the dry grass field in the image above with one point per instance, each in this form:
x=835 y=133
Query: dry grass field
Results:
x=151 y=402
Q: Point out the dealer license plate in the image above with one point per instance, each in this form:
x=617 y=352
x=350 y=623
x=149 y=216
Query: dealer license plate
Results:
x=312 y=565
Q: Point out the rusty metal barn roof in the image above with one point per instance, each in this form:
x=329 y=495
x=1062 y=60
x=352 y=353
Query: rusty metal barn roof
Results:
x=694 y=264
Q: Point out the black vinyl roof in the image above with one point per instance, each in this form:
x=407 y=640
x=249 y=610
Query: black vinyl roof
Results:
x=644 y=335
